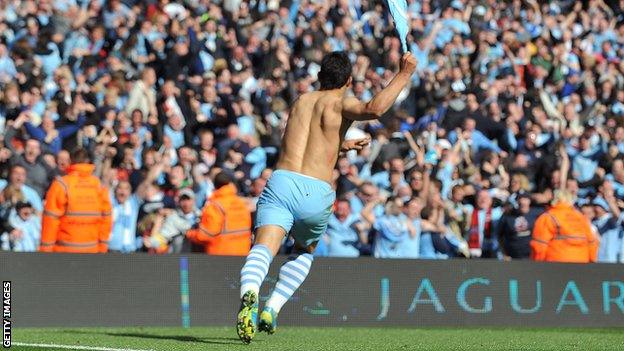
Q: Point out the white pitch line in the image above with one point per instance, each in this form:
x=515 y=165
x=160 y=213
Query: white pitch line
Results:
x=72 y=347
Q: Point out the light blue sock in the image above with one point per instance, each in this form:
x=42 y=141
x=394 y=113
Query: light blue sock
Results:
x=292 y=274
x=255 y=269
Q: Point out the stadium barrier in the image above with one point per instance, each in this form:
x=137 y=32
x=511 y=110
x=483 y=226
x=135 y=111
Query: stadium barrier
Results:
x=145 y=290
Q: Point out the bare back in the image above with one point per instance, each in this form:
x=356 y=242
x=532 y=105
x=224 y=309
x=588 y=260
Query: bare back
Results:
x=314 y=133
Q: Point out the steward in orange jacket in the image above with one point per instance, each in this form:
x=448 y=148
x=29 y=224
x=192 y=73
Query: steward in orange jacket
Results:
x=563 y=234
x=225 y=226
x=77 y=211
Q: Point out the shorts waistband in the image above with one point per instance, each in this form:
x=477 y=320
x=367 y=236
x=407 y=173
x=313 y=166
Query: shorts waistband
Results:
x=297 y=174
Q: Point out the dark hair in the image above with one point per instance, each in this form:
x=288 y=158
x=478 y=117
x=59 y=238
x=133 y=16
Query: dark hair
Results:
x=22 y=204
x=15 y=166
x=456 y=187
x=80 y=156
x=393 y=198
x=467 y=119
x=365 y=183
x=222 y=179
x=335 y=70
x=343 y=199
x=136 y=110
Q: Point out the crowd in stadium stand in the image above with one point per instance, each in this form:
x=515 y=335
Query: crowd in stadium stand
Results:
x=515 y=106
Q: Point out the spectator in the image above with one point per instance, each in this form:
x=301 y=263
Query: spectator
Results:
x=563 y=234
x=63 y=161
x=77 y=216
x=444 y=243
x=38 y=173
x=17 y=179
x=24 y=230
x=382 y=179
x=149 y=228
x=366 y=194
x=207 y=151
x=585 y=161
x=10 y=196
x=225 y=226
x=611 y=249
x=477 y=141
x=125 y=210
x=421 y=244
x=484 y=220
x=345 y=233
x=143 y=95
x=228 y=143
x=457 y=215
x=257 y=186
x=7 y=66
x=393 y=229
x=516 y=227
x=151 y=189
x=177 y=223
x=347 y=179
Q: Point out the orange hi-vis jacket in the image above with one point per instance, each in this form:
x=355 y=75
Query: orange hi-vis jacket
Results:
x=225 y=227
x=77 y=213
x=563 y=234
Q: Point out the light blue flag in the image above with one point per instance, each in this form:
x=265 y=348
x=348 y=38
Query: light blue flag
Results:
x=398 y=11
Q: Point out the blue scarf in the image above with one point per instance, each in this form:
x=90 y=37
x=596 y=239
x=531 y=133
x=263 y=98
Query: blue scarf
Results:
x=398 y=11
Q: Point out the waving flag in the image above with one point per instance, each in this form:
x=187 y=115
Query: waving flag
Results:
x=398 y=11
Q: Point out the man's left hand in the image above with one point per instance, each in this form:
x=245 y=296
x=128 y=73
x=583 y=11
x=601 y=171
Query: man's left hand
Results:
x=354 y=144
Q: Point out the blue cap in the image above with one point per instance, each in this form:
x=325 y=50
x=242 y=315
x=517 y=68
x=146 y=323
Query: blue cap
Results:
x=600 y=201
x=457 y=5
x=582 y=201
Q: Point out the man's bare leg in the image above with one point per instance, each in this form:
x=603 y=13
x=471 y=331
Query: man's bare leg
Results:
x=268 y=241
x=271 y=236
x=292 y=274
x=267 y=244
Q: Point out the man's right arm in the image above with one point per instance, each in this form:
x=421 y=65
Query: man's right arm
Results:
x=368 y=212
x=56 y=200
x=11 y=131
x=542 y=235
x=210 y=225
x=151 y=176
x=35 y=132
x=356 y=110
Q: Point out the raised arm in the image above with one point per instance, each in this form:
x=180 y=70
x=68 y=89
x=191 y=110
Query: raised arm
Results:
x=420 y=153
x=435 y=29
x=565 y=167
x=151 y=176
x=35 y=132
x=368 y=213
x=354 y=144
x=356 y=110
x=424 y=193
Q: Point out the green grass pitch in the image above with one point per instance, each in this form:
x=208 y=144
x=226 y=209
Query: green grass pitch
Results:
x=342 y=339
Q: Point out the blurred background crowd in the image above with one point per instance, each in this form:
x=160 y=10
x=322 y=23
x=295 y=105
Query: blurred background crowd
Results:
x=515 y=106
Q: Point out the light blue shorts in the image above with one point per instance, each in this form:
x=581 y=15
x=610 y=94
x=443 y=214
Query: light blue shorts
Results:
x=298 y=203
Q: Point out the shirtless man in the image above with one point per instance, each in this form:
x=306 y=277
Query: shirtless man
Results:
x=298 y=198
